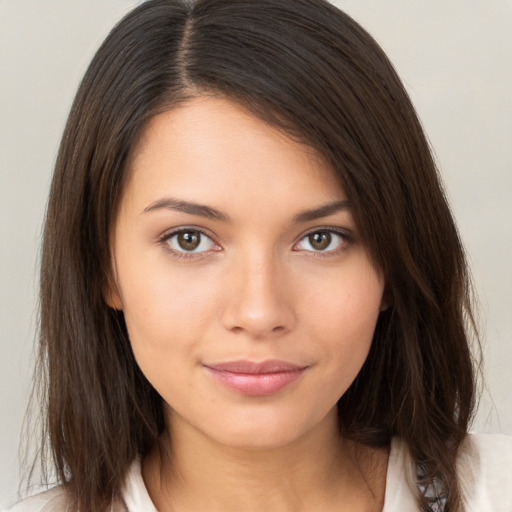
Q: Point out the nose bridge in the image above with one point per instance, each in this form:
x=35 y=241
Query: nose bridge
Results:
x=259 y=303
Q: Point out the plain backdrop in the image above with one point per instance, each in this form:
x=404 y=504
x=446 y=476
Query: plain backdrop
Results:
x=455 y=57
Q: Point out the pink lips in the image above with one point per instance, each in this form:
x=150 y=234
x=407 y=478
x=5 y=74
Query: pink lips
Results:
x=256 y=379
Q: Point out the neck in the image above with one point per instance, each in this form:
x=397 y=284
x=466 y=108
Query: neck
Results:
x=316 y=472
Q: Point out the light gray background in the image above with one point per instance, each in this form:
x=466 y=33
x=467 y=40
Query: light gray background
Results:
x=455 y=57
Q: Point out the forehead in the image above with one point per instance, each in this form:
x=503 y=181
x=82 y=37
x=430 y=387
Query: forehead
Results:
x=209 y=142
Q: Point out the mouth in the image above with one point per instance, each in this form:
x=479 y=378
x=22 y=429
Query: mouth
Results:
x=256 y=378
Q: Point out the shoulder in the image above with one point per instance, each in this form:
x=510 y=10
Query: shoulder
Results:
x=134 y=497
x=53 y=500
x=485 y=471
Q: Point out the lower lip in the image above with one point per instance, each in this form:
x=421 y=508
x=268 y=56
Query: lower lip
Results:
x=256 y=384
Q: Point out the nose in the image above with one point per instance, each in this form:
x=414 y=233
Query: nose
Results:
x=259 y=302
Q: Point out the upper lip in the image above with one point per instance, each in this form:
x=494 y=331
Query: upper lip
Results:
x=255 y=367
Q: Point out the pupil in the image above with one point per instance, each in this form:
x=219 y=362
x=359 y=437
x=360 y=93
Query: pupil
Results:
x=320 y=241
x=189 y=240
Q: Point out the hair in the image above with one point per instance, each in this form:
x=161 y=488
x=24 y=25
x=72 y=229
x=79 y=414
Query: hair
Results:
x=308 y=69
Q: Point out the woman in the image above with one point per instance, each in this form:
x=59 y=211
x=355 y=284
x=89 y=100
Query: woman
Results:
x=253 y=294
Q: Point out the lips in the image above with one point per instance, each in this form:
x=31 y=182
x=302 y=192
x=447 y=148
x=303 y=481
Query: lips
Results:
x=256 y=378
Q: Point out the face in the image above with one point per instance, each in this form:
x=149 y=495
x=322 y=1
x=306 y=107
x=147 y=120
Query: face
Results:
x=249 y=298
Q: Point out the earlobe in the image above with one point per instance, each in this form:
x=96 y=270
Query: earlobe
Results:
x=384 y=305
x=111 y=294
x=386 y=300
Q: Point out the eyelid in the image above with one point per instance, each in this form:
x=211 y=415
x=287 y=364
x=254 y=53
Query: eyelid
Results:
x=167 y=235
x=344 y=233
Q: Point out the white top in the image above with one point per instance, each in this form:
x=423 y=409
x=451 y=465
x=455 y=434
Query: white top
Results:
x=485 y=469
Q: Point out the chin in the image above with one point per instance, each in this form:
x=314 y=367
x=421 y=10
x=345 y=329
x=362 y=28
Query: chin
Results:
x=259 y=440
x=268 y=430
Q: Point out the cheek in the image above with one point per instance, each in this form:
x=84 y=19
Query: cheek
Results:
x=344 y=316
x=165 y=313
x=347 y=301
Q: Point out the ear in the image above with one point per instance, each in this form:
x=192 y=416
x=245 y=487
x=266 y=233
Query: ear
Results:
x=111 y=294
x=386 y=300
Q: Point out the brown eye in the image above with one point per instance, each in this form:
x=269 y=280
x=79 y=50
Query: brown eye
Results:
x=320 y=241
x=189 y=240
x=323 y=240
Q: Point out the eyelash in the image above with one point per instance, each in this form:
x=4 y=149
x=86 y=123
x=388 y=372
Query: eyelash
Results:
x=346 y=237
x=166 y=237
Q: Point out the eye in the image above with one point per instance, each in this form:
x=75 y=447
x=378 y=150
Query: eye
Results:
x=323 y=240
x=188 y=241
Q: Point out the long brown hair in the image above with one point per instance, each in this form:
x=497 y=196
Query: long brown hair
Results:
x=309 y=69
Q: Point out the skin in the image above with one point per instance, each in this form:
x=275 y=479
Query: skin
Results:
x=258 y=287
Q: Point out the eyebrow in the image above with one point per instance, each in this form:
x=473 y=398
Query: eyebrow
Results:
x=322 y=211
x=211 y=213
x=187 y=207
